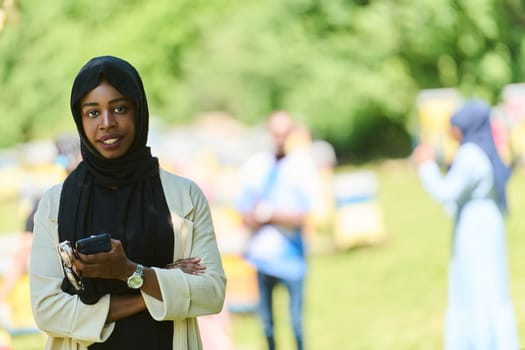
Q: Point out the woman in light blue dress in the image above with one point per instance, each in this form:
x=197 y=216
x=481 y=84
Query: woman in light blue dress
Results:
x=480 y=314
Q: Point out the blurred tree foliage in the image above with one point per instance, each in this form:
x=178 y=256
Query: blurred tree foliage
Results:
x=349 y=68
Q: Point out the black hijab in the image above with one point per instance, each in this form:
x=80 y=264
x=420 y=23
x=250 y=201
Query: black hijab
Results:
x=139 y=215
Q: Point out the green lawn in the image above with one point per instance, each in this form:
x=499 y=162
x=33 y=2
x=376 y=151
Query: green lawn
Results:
x=391 y=296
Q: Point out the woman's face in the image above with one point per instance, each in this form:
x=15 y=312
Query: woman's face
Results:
x=456 y=133
x=108 y=119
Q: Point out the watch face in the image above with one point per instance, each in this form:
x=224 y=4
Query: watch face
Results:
x=135 y=282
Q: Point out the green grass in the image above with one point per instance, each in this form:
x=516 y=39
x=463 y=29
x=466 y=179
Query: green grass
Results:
x=390 y=296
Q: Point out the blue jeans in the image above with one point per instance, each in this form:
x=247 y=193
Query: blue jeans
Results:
x=266 y=284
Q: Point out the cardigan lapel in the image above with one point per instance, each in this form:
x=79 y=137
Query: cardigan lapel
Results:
x=180 y=206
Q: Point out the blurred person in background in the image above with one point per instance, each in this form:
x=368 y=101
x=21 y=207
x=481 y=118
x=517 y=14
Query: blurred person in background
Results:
x=480 y=313
x=277 y=194
x=216 y=331
x=148 y=289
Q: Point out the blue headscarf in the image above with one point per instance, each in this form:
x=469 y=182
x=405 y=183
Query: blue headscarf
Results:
x=473 y=119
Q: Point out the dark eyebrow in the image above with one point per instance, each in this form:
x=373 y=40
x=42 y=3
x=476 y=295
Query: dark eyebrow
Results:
x=118 y=99
x=89 y=104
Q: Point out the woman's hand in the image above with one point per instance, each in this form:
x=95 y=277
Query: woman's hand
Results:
x=191 y=266
x=423 y=153
x=109 y=265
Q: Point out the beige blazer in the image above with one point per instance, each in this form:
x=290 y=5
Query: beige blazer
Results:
x=71 y=324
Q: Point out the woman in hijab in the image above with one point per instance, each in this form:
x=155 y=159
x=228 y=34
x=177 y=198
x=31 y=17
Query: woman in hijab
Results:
x=134 y=296
x=480 y=314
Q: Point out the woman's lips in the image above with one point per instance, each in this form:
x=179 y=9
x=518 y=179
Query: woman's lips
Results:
x=109 y=142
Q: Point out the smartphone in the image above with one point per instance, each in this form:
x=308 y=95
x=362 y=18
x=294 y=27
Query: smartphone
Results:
x=94 y=244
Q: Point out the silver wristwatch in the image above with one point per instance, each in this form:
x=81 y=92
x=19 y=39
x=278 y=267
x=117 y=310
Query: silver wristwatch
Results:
x=136 y=280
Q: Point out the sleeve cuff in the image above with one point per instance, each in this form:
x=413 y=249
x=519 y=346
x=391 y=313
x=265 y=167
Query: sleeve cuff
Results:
x=170 y=307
